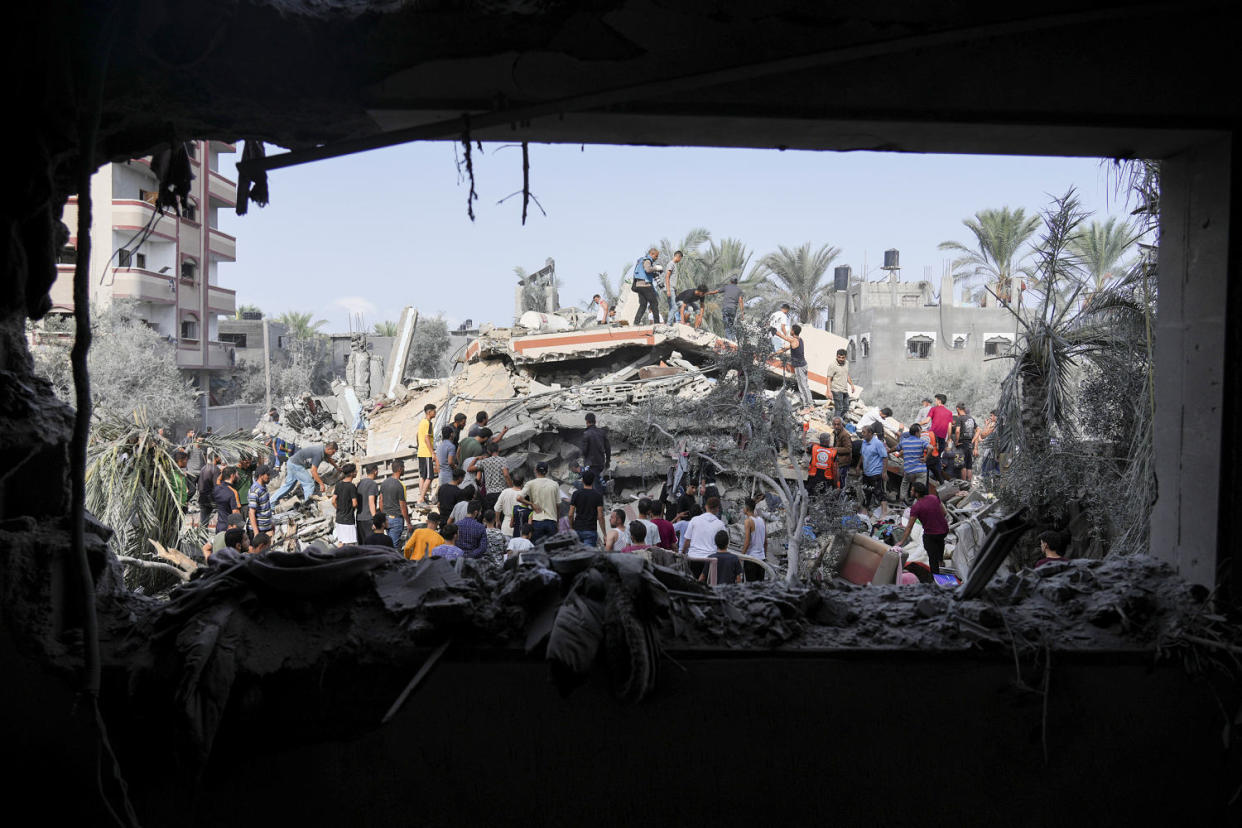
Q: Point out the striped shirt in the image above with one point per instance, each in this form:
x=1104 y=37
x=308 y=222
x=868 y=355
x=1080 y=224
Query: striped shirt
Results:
x=912 y=452
x=261 y=503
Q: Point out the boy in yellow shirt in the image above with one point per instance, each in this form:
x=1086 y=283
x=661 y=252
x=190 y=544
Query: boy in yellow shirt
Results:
x=424 y=540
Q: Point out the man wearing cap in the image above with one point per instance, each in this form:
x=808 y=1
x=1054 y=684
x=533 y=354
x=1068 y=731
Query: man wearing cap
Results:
x=260 y=502
x=542 y=496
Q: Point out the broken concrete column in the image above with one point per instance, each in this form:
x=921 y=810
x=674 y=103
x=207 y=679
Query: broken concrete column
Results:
x=400 y=351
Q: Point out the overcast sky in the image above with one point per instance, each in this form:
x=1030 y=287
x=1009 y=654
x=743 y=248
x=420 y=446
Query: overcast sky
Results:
x=374 y=232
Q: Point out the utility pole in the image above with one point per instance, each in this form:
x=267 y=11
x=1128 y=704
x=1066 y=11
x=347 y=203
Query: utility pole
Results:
x=267 y=368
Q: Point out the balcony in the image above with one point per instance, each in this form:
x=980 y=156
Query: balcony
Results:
x=223 y=246
x=221 y=300
x=221 y=192
x=143 y=286
x=220 y=356
x=133 y=215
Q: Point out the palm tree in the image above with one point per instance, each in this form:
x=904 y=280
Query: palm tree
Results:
x=999 y=236
x=247 y=309
x=720 y=262
x=300 y=325
x=387 y=328
x=610 y=289
x=1100 y=246
x=797 y=276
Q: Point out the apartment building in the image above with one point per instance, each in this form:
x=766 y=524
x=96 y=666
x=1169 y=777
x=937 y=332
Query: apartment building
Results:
x=168 y=264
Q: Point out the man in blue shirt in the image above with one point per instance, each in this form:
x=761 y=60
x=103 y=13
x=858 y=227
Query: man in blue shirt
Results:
x=913 y=449
x=471 y=534
x=874 y=456
x=644 y=285
x=260 y=503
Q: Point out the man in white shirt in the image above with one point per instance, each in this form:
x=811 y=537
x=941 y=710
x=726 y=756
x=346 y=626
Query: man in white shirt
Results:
x=701 y=533
x=778 y=322
x=506 y=502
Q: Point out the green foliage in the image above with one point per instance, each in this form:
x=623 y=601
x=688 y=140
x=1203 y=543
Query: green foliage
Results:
x=386 y=328
x=428 y=348
x=131 y=367
x=999 y=236
x=1101 y=246
x=798 y=276
x=247 y=309
x=300 y=325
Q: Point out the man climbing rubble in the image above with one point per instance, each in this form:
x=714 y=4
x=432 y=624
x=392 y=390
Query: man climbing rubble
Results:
x=796 y=351
x=303 y=469
x=596 y=452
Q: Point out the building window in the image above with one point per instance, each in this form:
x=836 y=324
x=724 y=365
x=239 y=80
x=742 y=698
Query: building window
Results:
x=140 y=260
x=909 y=301
x=124 y=258
x=959 y=342
x=236 y=339
x=189 y=271
x=850 y=351
x=866 y=347
x=919 y=347
x=189 y=329
x=996 y=346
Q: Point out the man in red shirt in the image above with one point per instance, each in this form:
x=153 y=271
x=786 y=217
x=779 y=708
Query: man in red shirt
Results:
x=929 y=511
x=941 y=421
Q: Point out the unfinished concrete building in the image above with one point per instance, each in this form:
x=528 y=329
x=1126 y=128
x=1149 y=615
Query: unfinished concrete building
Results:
x=472 y=732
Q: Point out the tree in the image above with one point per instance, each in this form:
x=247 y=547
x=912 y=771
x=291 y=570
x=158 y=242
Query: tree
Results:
x=689 y=272
x=797 y=276
x=999 y=237
x=131 y=367
x=1100 y=246
x=300 y=325
x=610 y=289
x=428 y=347
x=720 y=262
x=386 y=328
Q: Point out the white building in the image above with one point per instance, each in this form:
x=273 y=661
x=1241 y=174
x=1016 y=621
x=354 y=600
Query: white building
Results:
x=173 y=274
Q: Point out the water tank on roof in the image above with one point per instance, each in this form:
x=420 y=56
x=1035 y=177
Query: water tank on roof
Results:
x=892 y=260
x=841 y=278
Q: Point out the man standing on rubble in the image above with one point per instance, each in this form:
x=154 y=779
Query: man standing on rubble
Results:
x=496 y=478
x=731 y=307
x=303 y=469
x=778 y=326
x=874 y=457
x=392 y=504
x=428 y=465
x=260 y=502
x=797 y=360
x=542 y=496
x=843 y=442
x=368 y=495
x=964 y=428
x=840 y=385
x=670 y=282
x=226 y=499
x=208 y=476
x=644 y=285
x=586 y=511
x=596 y=451
x=913 y=451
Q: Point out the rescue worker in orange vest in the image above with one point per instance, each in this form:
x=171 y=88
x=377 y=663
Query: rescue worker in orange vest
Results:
x=822 y=471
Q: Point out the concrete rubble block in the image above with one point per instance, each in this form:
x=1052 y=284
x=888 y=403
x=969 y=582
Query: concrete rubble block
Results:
x=484 y=381
x=653 y=371
x=520 y=435
x=606 y=394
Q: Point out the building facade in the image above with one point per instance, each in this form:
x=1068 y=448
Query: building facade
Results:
x=167 y=264
x=898 y=331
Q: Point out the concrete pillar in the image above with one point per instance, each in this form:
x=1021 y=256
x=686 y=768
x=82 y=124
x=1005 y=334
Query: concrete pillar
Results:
x=840 y=313
x=946 y=290
x=1190 y=358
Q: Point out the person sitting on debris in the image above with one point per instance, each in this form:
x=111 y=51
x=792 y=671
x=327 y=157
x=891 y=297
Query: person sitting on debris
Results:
x=225 y=497
x=821 y=473
x=586 y=511
x=929 y=511
x=446 y=455
x=422 y=541
x=638 y=537
x=448 y=550
x=428 y=465
x=1052 y=546
x=303 y=469
x=259 y=501
x=496 y=540
x=345 y=500
x=728 y=565
x=643 y=284
x=521 y=543
x=217 y=540
x=618 y=536
x=700 y=538
x=913 y=450
x=507 y=503
x=596 y=450
x=796 y=348
x=495 y=472
x=754 y=532
x=260 y=543
x=542 y=496
x=471 y=533
x=601 y=309
x=392 y=503
x=379 y=532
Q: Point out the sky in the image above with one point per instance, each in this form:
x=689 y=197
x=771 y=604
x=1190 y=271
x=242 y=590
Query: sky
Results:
x=373 y=232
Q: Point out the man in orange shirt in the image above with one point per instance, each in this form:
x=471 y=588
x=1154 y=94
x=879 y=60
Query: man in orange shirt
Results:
x=424 y=540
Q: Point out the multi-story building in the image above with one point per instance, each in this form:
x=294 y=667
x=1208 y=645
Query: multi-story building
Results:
x=167 y=264
x=897 y=331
